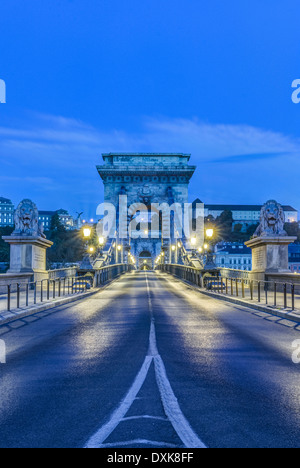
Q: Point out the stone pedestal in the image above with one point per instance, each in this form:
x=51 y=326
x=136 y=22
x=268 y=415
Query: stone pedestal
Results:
x=270 y=254
x=28 y=255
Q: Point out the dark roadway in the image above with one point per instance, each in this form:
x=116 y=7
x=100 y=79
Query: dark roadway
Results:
x=68 y=371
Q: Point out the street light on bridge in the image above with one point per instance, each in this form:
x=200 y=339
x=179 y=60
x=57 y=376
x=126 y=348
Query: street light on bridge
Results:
x=87 y=232
x=210 y=263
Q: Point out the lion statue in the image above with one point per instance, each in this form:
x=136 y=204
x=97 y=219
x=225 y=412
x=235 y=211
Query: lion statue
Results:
x=272 y=221
x=27 y=220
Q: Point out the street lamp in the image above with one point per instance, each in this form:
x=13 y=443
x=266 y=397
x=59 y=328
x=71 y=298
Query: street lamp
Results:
x=193 y=241
x=87 y=233
x=210 y=263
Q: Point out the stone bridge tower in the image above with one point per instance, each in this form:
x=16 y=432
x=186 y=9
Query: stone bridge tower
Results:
x=146 y=178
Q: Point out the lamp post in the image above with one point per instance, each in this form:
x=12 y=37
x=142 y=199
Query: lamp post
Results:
x=173 y=254
x=210 y=263
x=119 y=253
x=89 y=250
x=101 y=245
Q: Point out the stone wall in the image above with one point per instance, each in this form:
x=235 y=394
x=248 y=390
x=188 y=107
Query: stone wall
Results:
x=13 y=279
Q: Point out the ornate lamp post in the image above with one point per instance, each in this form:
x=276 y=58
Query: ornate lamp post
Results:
x=86 y=262
x=210 y=263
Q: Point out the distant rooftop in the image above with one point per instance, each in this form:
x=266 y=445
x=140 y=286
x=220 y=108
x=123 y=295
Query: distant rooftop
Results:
x=146 y=154
x=46 y=213
x=243 y=207
x=236 y=249
x=162 y=155
x=5 y=200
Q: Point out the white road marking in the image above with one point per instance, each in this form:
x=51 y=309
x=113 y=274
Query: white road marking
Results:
x=141 y=442
x=170 y=403
x=105 y=431
x=145 y=416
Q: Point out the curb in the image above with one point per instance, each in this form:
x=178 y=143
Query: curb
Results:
x=13 y=315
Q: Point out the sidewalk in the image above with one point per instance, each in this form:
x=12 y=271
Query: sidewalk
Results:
x=24 y=311
x=262 y=307
x=291 y=317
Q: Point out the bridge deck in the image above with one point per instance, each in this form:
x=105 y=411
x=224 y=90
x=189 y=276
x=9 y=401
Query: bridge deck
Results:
x=148 y=362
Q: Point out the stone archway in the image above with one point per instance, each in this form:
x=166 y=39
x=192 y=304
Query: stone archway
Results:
x=145 y=260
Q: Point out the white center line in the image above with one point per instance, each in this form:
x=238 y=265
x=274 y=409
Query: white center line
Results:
x=170 y=403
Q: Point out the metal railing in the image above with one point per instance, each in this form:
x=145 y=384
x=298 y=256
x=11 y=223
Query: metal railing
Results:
x=191 y=274
x=274 y=294
x=23 y=295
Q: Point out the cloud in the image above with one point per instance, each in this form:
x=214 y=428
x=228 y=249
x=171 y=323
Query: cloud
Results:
x=58 y=155
x=250 y=157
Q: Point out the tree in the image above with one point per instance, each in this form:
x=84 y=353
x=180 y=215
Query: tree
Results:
x=293 y=230
x=224 y=224
x=4 y=247
x=56 y=225
x=238 y=228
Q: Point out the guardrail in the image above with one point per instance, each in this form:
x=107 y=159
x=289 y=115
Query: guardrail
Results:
x=275 y=294
x=23 y=295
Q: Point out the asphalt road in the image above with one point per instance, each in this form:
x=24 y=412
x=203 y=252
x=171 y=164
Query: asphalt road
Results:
x=149 y=362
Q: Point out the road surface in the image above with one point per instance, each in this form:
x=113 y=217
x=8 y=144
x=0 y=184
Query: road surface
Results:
x=149 y=362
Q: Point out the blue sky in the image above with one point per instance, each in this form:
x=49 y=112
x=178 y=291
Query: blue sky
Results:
x=208 y=78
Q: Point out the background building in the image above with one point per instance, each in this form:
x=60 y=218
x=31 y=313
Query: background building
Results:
x=45 y=217
x=235 y=256
x=7 y=210
x=247 y=215
x=66 y=219
x=294 y=258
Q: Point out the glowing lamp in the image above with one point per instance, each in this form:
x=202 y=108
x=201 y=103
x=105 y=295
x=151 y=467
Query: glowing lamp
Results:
x=87 y=232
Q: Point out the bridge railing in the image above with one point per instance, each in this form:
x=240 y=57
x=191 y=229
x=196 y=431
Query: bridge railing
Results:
x=191 y=274
x=276 y=294
x=280 y=295
x=23 y=295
